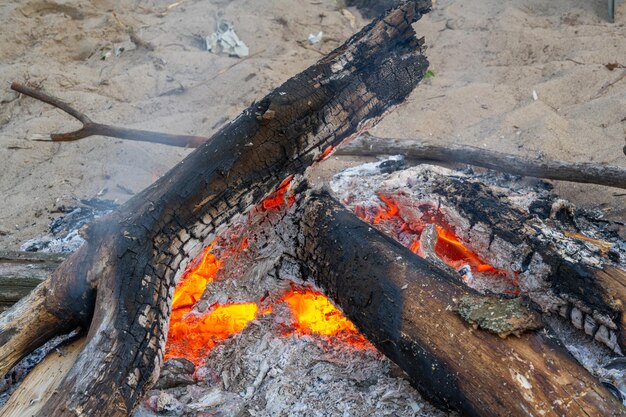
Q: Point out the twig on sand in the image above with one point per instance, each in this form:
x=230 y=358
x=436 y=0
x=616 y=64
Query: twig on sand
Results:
x=364 y=145
x=91 y=128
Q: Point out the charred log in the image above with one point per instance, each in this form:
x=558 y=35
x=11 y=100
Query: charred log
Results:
x=120 y=283
x=406 y=307
x=580 y=292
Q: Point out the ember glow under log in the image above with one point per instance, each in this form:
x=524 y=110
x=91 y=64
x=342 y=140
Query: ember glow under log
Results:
x=406 y=221
x=193 y=334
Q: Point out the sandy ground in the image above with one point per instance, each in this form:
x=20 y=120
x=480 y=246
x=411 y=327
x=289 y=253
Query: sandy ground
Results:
x=487 y=55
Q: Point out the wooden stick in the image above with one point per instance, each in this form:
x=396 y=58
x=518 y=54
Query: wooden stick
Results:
x=365 y=145
x=91 y=128
x=583 y=172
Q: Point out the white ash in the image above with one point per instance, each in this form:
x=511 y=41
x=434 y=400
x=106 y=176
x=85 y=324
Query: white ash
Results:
x=595 y=357
x=12 y=380
x=261 y=268
x=263 y=373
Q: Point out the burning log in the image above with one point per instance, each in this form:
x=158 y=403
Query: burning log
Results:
x=120 y=283
x=406 y=307
x=584 y=172
x=588 y=294
x=522 y=239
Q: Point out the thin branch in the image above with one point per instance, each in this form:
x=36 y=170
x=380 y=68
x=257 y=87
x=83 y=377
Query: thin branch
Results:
x=91 y=128
x=582 y=172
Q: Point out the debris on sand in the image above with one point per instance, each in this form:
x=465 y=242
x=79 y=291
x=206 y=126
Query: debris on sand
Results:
x=225 y=41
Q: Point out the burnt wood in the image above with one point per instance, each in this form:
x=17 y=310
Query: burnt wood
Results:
x=406 y=307
x=571 y=289
x=119 y=284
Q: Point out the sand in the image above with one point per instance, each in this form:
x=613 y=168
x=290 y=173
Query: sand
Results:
x=488 y=56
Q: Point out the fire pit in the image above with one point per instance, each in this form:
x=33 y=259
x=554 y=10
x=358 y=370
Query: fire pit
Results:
x=464 y=321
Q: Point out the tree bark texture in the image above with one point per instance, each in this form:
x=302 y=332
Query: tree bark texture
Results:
x=120 y=283
x=20 y=272
x=406 y=307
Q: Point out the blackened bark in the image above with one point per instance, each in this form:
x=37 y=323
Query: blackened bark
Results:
x=578 y=292
x=405 y=306
x=126 y=272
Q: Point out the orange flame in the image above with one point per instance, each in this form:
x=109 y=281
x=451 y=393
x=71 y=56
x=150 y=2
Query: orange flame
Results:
x=192 y=285
x=313 y=313
x=193 y=337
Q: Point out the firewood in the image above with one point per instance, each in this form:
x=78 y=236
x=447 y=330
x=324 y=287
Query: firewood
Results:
x=582 y=172
x=407 y=308
x=20 y=272
x=578 y=292
x=119 y=284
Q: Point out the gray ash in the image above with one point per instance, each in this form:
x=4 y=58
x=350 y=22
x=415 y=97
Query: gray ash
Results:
x=63 y=233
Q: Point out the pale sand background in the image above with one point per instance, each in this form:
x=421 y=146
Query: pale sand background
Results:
x=488 y=56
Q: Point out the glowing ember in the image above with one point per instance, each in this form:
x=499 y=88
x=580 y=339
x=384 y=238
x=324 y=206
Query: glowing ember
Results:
x=192 y=336
x=392 y=209
x=326 y=153
x=450 y=248
x=408 y=223
x=192 y=285
x=277 y=198
x=314 y=314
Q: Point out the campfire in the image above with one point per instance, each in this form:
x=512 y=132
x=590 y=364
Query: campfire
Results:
x=218 y=299
x=224 y=299
x=231 y=285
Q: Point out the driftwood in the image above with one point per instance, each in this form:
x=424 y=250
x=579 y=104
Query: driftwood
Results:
x=582 y=172
x=406 y=307
x=20 y=272
x=119 y=284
